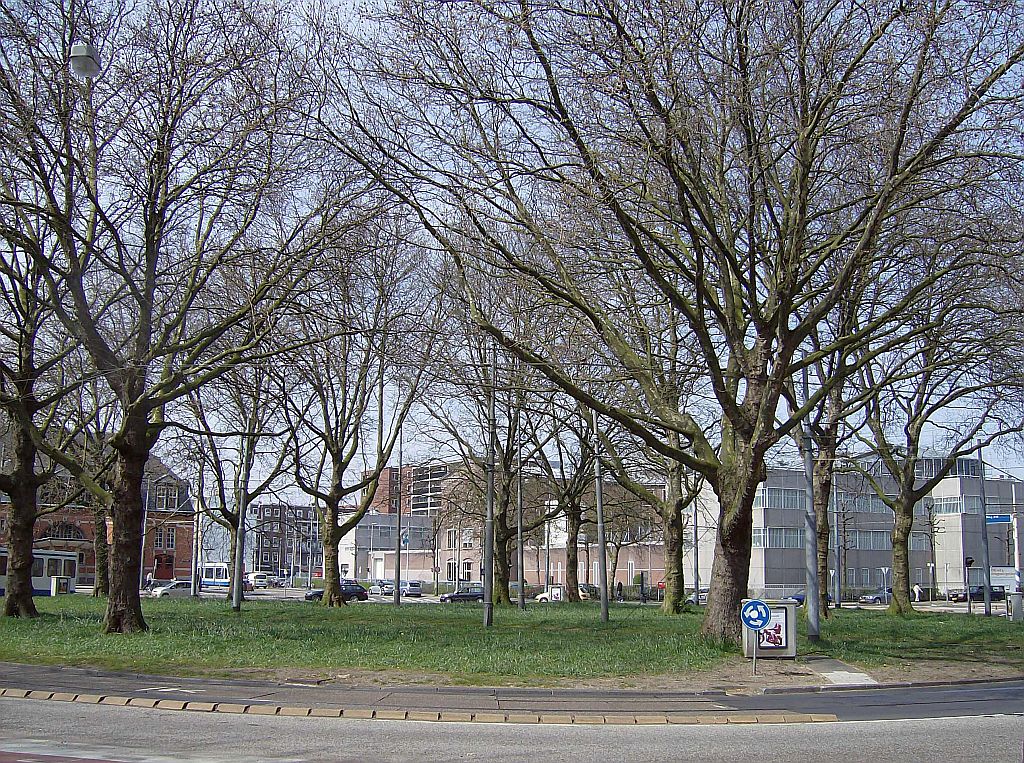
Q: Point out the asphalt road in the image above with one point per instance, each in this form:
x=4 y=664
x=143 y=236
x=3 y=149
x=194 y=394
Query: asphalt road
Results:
x=37 y=731
x=971 y=699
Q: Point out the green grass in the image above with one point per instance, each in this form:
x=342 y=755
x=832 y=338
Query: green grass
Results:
x=544 y=645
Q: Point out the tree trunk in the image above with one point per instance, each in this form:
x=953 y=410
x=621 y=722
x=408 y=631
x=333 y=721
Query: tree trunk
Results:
x=613 y=567
x=502 y=568
x=18 y=600
x=101 y=551
x=572 y=553
x=332 y=573
x=904 y=520
x=124 y=605
x=821 y=495
x=22 y=488
x=672 y=535
x=738 y=476
x=232 y=553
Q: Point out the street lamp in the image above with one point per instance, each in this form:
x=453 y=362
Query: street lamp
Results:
x=85 y=60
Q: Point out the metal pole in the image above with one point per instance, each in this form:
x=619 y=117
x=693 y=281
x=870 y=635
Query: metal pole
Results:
x=985 y=560
x=547 y=554
x=239 y=571
x=398 y=529
x=520 y=557
x=836 y=550
x=489 y=522
x=602 y=557
x=811 y=592
x=197 y=525
x=696 y=552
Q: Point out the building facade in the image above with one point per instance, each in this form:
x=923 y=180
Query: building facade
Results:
x=169 y=523
x=948 y=526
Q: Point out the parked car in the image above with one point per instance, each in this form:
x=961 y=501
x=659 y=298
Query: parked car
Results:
x=589 y=591
x=258 y=579
x=350 y=590
x=881 y=596
x=800 y=596
x=699 y=598
x=585 y=594
x=411 y=588
x=469 y=593
x=172 y=589
x=978 y=593
x=382 y=587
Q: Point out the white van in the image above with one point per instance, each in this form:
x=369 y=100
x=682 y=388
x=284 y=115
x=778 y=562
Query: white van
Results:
x=258 y=579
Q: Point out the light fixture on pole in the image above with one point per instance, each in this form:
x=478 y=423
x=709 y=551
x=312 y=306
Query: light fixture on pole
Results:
x=85 y=60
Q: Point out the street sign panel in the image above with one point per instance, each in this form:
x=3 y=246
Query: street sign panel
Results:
x=755 y=615
x=997 y=519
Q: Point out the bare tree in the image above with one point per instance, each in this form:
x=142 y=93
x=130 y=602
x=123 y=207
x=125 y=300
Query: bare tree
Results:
x=741 y=164
x=349 y=388
x=952 y=390
x=171 y=187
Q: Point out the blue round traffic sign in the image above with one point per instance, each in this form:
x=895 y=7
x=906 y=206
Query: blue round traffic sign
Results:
x=755 y=615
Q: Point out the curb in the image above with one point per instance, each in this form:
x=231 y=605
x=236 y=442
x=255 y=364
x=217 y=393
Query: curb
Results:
x=563 y=719
x=892 y=685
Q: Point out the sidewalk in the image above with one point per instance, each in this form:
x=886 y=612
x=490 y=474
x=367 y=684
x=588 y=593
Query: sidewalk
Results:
x=737 y=704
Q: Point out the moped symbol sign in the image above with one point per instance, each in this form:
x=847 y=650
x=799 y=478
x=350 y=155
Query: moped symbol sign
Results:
x=755 y=615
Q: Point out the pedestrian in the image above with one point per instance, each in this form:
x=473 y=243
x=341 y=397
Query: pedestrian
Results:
x=918 y=591
x=149 y=580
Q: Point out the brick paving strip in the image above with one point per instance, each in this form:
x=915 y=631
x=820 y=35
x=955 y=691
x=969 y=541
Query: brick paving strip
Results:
x=362 y=713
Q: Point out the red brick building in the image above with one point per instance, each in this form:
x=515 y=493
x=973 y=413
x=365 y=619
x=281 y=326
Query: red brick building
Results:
x=167 y=545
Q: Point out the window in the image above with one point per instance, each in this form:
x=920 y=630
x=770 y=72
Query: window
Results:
x=166 y=497
x=631 y=571
x=266 y=557
x=158 y=537
x=451 y=569
x=865 y=577
x=918 y=541
x=70 y=568
x=467 y=539
x=851 y=577
x=757 y=537
x=558 y=573
x=3 y=565
x=919 y=575
x=52 y=568
x=467 y=570
x=871 y=540
x=452 y=538
x=169 y=538
x=780 y=498
x=64 y=531
x=782 y=537
x=37 y=568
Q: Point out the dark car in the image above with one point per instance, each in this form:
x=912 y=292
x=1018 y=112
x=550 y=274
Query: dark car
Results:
x=978 y=593
x=881 y=596
x=350 y=590
x=473 y=593
x=799 y=597
x=590 y=590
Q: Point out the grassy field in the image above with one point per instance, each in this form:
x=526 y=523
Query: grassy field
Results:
x=556 y=643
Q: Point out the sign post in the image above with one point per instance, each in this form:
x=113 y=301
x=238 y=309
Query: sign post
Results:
x=755 y=616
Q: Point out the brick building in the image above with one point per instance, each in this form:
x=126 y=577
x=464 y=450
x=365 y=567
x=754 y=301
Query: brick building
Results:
x=167 y=544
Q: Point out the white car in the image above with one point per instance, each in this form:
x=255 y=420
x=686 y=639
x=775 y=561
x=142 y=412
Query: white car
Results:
x=173 y=589
x=545 y=596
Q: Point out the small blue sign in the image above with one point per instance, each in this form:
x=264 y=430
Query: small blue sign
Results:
x=997 y=519
x=755 y=615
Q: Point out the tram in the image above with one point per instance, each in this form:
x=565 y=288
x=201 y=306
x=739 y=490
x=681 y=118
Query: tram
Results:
x=46 y=565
